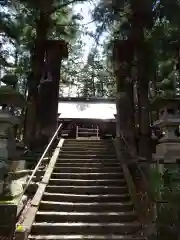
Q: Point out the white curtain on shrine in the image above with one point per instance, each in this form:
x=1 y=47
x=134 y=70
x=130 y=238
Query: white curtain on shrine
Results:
x=86 y=110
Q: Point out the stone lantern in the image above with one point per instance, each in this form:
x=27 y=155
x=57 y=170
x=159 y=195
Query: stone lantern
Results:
x=8 y=97
x=168 y=147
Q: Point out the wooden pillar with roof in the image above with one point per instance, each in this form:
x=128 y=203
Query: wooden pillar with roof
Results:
x=56 y=50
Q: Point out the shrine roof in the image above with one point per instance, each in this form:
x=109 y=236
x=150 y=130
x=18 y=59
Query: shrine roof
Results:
x=86 y=110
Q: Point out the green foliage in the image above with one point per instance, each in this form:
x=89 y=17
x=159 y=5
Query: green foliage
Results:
x=18 y=29
x=95 y=78
x=9 y=80
x=10 y=96
x=168 y=220
x=156 y=46
x=162 y=37
x=156 y=182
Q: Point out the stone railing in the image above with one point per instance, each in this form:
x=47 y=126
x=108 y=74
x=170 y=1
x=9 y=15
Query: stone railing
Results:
x=138 y=186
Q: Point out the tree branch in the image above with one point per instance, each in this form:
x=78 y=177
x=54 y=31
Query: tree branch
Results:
x=65 y=5
x=76 y=25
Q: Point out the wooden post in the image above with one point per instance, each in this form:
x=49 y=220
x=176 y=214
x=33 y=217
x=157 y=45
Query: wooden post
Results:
x=56 y=50
x=77 y=129
x=124 y=99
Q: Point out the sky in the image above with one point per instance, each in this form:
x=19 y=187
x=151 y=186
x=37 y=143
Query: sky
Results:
x=85 y=10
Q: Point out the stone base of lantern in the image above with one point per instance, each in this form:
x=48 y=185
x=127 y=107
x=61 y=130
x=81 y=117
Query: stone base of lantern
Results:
x=3 y=169
x=1 y=187
x=169 y=151
x=8 y=220
x=17 y=165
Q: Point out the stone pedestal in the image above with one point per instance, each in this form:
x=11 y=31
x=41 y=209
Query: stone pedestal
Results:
x=17 y=165
x=1 y=187
x=169 y=151
x=7 y=221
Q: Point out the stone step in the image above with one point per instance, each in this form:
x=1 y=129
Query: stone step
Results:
x=85 y=237
x=90 y=137
x=84 y=169
x=86 y=151
x=65 y=197
x=80 y=182
x=87 y=161
x=84 y=147
x=88 y=176
x=87 y=196
x=85 y=217
x=87 y=164
x=80 y=147
x=87 y=135
x=104 y=141
x=88 y=144
x=86 y=189
x=100 y=141
x=66 y=155
x=85 y=206
x=85 y=228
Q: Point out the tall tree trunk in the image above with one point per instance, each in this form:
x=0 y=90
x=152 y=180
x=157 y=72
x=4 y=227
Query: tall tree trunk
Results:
x=178 y=63
x=125 y=106
x=37 y=62
x=142 y=17
x=49 y=90
x=144 y=120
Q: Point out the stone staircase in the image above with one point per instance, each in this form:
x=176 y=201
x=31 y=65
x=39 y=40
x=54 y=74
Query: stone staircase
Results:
x=86 y=196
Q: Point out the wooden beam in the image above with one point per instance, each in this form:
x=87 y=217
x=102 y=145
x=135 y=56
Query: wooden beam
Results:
x=85 y=120
x=89 y=100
